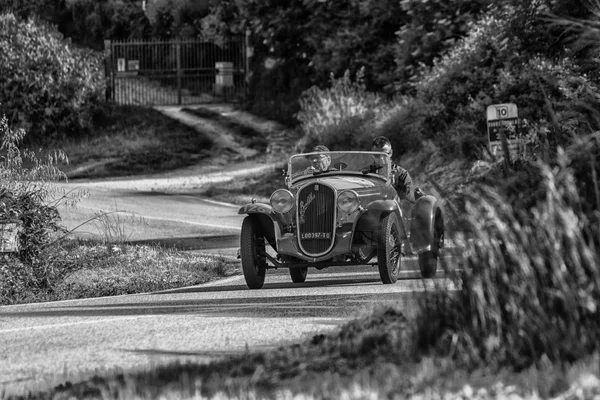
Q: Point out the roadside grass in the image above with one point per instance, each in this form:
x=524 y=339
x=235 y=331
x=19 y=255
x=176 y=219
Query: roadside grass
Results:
x=79 y=268
x=133 y=140
x=242 y=191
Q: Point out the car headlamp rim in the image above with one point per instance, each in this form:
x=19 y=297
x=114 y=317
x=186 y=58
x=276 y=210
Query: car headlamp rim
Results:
x=282 y=200
x=347 y=201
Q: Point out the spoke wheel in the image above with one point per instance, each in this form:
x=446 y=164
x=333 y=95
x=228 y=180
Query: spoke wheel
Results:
x=389 y=249
x=428 y=260
x=252 y=252
x=298 y=274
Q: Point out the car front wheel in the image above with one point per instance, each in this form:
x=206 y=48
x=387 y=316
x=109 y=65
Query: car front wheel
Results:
x=252 y=253
x=389 y=249
x=298 y=274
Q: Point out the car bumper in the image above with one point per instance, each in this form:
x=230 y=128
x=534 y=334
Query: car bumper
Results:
x=288 y=245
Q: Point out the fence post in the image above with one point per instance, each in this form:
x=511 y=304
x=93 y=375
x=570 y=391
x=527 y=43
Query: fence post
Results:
x=108 y=81
x=247 y=54
x=179 y=71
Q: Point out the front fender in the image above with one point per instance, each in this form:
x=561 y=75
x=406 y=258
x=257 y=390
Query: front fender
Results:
x=256 y=208
x=270 y=221
x=384 y=206
x=422 y=226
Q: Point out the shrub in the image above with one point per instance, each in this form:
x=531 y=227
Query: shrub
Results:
x=403 y=125
x=28 y=197
x=93 y=21
x=46 y=87
x=344 y=103
x=529 y=282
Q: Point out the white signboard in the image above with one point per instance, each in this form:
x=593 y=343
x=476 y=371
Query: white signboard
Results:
x=120 y=65
x=133 y=65
x=502 y=118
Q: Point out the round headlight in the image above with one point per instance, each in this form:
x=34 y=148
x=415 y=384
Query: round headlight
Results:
x=348 y=201
x=282 y=201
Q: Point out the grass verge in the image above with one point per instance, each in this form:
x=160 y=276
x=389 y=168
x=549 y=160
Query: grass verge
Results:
x=80 y=269
x=132 y=140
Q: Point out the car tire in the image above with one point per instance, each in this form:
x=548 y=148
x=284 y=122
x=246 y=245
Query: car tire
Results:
x=298 y=274
x=428 y=260
x=389 y=249
x=252 y=250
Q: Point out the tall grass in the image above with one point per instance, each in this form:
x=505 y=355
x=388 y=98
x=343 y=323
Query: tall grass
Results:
x=530 y=283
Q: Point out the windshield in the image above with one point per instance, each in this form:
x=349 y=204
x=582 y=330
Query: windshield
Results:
x=365 y=163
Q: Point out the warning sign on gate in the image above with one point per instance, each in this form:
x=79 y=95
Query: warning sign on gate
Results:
x=502 y=118
x=120 y=65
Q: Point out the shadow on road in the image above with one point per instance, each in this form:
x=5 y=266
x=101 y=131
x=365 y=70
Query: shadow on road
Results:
x=327 y=306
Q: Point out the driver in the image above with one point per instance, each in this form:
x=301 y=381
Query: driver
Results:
x=401 y=178
x=319 y=162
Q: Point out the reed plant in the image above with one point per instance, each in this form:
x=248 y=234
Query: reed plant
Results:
x=529 y=279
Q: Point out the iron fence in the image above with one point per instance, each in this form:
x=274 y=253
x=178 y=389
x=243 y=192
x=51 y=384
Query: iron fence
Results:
x=176 y=71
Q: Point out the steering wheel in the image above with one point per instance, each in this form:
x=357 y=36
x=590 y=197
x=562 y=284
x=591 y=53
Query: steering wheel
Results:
x=340 y=166
x=373 y=168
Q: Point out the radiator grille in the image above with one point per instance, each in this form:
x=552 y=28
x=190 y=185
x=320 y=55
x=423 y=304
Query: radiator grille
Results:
x=316 y=218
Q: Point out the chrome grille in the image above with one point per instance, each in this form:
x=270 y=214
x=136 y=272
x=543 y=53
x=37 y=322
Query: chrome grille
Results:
x=316 y=218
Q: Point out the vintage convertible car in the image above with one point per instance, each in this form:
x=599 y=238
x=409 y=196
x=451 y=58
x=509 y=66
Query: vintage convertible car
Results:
x=347 y=215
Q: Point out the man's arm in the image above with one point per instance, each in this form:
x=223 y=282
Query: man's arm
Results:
x=403 y=183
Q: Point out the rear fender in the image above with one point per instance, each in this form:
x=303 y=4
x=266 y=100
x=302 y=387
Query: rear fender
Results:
x=422 y=226
x=269 y=220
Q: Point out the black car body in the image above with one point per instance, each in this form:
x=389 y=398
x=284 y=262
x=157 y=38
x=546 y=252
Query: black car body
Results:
x=348 y=215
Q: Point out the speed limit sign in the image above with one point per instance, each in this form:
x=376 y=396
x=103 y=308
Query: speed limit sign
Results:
x=502 y=111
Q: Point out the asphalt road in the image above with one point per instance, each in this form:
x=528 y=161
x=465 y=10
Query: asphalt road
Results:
x=54 y=342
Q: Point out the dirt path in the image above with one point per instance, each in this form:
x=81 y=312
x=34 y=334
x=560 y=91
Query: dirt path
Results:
x=232 y=160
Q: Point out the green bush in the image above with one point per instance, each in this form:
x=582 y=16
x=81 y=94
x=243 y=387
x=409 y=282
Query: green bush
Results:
x=46 y=86
x=403 y=125
x=345 y=105
x=93 y=21
x=28 y=198
x=529 y=282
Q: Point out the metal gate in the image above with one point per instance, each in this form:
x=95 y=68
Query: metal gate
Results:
x=176 y=71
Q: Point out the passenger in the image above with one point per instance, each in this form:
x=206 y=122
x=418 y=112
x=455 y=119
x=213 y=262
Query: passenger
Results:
x=400 y=176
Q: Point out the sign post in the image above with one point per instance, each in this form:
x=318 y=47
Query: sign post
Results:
x=502 y=123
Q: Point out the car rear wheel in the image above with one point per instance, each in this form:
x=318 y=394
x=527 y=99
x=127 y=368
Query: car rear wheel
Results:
x=428 y=260
x=298 y=274
x=252 y=253
x=389 y=249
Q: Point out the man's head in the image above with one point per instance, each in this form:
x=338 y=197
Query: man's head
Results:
x=320 y=161
x=381 y=143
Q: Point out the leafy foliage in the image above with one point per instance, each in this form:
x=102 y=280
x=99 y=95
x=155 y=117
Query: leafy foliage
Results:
x=339 y=115
x=91 y=22
x=47 y=87
x=176 y=18
x=430 y=28
x=28 y=198
x=325 y=38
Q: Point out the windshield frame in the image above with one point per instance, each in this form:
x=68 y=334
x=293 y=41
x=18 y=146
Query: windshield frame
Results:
x=384 y=175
